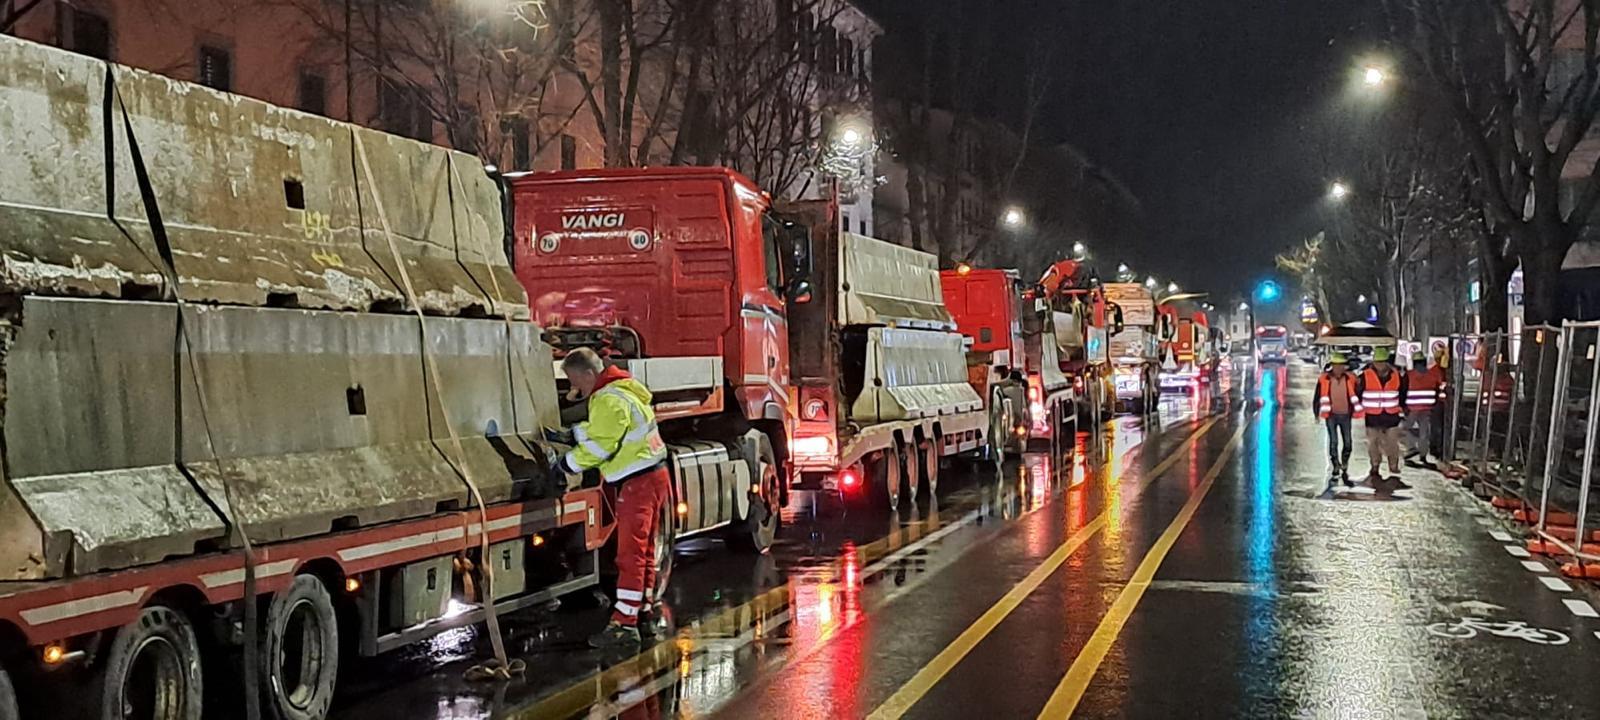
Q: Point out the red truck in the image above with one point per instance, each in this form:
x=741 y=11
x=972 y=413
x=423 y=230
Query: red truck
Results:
x=1011 y=360
x=678 y=275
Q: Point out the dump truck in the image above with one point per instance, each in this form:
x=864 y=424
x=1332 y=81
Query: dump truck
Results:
x=1029 y=400
x=879 y=372
x=272 y=397
x=1135 y=350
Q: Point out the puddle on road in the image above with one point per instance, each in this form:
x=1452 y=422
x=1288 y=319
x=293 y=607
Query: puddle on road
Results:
x=747 y=616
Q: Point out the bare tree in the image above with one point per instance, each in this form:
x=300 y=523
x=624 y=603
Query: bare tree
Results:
x=1521 y=79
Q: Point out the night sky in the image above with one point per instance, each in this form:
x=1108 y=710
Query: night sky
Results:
x=1210 y=111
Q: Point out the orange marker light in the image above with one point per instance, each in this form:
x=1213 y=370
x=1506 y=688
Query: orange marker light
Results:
x=352 y=584
x=683 y=508
x=54 y=653
x=537 y=540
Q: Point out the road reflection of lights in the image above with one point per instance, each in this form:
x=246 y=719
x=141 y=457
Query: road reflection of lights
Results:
x=1361 y=631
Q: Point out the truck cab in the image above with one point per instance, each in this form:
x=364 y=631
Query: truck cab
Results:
x=987 y=305
x=683 y=276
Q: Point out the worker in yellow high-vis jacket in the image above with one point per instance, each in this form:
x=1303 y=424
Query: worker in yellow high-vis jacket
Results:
x=621 y=440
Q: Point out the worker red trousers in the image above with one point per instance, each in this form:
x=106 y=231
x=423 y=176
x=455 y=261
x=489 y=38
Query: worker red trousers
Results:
x=639 y=505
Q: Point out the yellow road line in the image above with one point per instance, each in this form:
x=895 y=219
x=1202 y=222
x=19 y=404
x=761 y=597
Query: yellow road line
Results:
x=1067 y=694
x=947 y=659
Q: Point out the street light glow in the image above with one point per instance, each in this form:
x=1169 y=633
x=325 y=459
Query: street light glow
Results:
x=1172 y=287
x=1012 y=218
x=850 y=136
x=1339 y=190
x=1150 y=282
x=1374 y=76
x=1079 y=250
x=1122 y=267
x=1244 y=306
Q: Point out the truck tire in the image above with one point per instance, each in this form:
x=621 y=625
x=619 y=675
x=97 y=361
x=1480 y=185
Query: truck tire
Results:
x=910 y=469
x=300 y=651
x=152 y=670
x=929 y=453
x=8 y=698
x=756 y=532
x=665 y=543
x=883 y=479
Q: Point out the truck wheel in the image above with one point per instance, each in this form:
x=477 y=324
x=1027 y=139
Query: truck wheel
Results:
x=665 y=541
x=883 y=471
x=152 y=670
x=910 y=469
x=759 y=528
x=8 y=698
x=929 y=452
x=301 y=651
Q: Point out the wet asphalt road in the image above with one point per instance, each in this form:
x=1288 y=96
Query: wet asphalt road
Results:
x=1197 y=567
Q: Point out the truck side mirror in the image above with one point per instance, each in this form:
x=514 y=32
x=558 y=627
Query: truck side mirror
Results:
x=798 y=240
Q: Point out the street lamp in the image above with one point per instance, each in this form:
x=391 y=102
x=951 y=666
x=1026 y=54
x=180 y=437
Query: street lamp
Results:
x=850 y=136
x=1013 y=218
x=1172 y=288
x=1244 y=306
x=1079 y=250
x=1150 y=282
x=1362 y=298
x=1374 y=76
x=1338 y=190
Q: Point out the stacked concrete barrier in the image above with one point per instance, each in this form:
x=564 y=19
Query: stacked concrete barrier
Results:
x=201 y=318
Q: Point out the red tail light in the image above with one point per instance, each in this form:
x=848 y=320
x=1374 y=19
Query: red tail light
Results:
x=849 y=480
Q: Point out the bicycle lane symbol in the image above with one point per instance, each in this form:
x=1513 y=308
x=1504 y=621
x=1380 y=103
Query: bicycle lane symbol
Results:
x=1470 y=627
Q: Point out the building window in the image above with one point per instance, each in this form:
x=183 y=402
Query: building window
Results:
x=311 y=94
x=216 y=67
x=401 y=113
x=515 y=129
x=863 y=226
x=569 y=152
x=85 y=32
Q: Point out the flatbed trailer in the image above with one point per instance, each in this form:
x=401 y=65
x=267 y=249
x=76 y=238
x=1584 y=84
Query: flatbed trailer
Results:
x=315 y=378
x=880 y=372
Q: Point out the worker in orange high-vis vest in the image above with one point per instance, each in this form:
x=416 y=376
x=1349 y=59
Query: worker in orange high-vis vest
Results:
x=1424 y=394
x=1337 y=404
x=1383 y=390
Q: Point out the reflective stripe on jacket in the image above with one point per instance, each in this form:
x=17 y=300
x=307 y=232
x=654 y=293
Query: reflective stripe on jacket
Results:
x=1325 y=400
x=1381 y=397
x=1424 y=389
x=620 y=437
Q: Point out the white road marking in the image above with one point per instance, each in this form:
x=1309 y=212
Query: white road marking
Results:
x=1518 y=551
x=1535 y=566
x=937 y=535
x=1581 y=608
x=1500 y=535
x=1556 y=584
